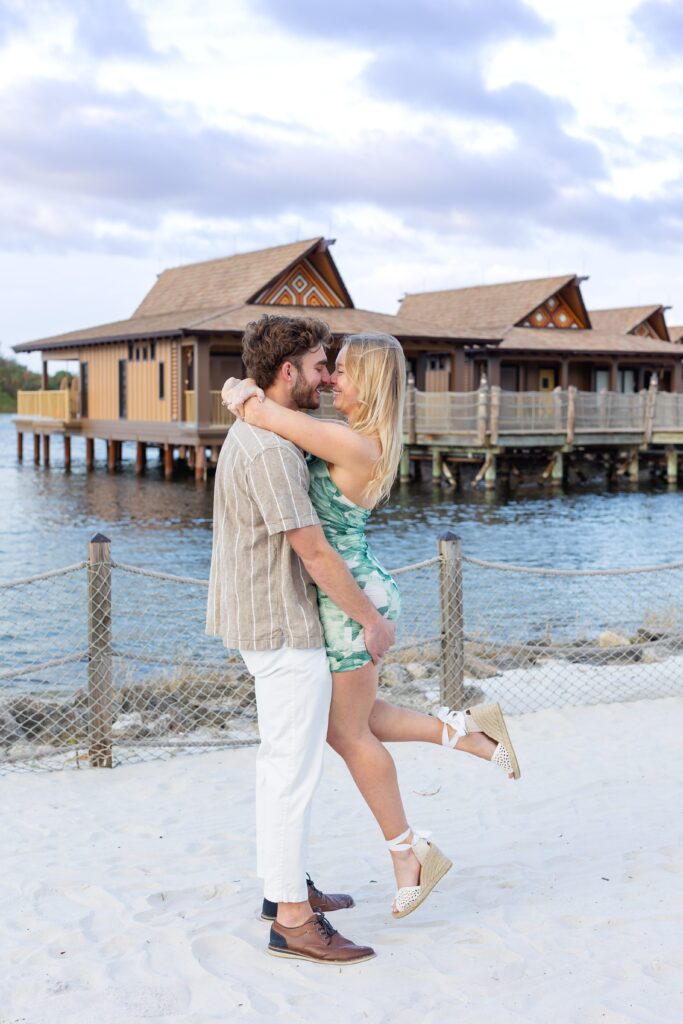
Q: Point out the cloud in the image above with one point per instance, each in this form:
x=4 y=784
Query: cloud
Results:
x=429 y=55
x=10 y=22
x=458 y=25
x=108 y=28
x=75 y=157
x=103 y=28
x=660 y=22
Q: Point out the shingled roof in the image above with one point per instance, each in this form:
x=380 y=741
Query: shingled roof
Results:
x=535 y=339
x=676 y=335
x=228 y=281
x=494 y=306
x=625 y=319
x=235 y=318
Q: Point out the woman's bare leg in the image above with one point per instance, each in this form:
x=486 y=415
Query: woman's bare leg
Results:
x=370 y=763
x=391 y=724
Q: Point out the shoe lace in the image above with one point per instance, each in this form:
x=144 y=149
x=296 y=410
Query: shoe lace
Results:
x=312 y=886
x=325 y=927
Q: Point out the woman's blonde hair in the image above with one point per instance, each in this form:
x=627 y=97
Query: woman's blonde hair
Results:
x=375 y=364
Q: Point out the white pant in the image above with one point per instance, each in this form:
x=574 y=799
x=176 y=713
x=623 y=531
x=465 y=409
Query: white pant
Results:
x=293 y=693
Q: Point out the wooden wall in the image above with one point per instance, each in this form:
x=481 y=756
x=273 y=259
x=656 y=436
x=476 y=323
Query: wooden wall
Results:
x=143 y=384
x=142 y=375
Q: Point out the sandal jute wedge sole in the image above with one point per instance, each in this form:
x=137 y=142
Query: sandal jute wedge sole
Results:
x=434 y=865
x=488 y=718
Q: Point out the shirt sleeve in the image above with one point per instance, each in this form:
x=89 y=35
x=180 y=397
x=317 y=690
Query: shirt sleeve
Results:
x=278 y=480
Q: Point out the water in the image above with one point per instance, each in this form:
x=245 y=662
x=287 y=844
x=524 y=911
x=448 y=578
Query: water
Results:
x=47 y=517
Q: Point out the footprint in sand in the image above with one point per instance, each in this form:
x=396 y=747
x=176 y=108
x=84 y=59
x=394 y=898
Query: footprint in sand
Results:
x=179 y=902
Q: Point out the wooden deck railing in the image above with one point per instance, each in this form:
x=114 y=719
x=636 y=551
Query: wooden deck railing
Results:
x=56 y=405
x=219 y=415
x=492 y=416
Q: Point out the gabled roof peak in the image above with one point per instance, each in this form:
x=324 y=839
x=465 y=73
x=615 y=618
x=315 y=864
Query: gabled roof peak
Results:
x=228 y=280
x=494 y=305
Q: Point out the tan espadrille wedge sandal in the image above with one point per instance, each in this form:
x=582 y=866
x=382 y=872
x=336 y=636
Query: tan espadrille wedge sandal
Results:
x=433 y=866
x=486 y=718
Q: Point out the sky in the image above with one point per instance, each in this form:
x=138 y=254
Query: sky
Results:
x=443 y=143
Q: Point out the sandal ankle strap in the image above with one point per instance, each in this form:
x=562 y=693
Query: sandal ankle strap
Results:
x=457 y=722
x=398 y=845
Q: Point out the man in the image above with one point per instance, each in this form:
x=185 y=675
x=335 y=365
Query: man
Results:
x=268 y=552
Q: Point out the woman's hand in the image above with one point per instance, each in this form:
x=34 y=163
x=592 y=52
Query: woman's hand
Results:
x=235 y=393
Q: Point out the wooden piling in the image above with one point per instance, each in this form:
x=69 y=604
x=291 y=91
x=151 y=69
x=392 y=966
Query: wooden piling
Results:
x=436 y=464
x=671 y=465
x=404 y=472
x=557 y=471
x=36 y=449
x=46 y=449
x=100 y=682
x=67 y=451
x=20 y=446
x=140 y=458
x=452 y=687
x=490 y=473
x=168 y=462
x=89 y=453
x=200 y=463
x=111 y=456
x=634 y=467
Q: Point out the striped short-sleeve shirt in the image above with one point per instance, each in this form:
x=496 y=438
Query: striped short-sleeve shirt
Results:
x=260 y=595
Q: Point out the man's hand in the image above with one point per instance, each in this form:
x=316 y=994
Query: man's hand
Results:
x=379 y=637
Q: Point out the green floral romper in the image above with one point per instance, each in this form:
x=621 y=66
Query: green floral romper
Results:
x=343 y=523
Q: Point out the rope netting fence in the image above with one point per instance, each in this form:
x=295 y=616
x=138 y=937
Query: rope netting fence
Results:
x=105 y=662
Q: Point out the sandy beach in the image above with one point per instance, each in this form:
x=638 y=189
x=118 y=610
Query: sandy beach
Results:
x=130 y=895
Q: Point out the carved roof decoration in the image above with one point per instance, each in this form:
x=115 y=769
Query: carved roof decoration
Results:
x=646 y=321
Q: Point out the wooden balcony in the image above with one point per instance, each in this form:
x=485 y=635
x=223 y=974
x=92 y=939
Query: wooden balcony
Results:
x=219 y=415
x=491 y=417
x=59 y=405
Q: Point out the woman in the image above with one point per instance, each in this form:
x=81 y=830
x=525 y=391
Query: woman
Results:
x=352 y=468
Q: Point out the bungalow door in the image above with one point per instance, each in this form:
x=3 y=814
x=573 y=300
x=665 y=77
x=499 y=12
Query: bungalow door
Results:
x=546 y=379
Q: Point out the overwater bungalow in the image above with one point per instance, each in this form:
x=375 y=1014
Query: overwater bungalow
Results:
x=538 y=335
x=495 y=370
x=155 y=378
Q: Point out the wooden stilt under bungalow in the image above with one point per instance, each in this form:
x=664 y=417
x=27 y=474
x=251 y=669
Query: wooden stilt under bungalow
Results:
x=496 y=371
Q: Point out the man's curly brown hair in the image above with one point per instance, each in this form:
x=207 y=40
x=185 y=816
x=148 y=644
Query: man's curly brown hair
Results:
x=271 y=340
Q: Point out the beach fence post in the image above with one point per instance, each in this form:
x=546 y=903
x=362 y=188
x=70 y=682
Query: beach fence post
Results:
x=452 y=690
x=100 y=682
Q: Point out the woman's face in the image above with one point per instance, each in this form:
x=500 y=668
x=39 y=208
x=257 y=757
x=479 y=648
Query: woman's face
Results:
x=345 y=393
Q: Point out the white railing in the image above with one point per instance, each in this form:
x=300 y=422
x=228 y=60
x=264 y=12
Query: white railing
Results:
x=669 y=413
x=609 y=411
x=482 y=416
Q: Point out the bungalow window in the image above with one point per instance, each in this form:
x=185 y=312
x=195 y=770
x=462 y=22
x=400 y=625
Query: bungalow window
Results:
x=137 y=354
x=161 y=381
x=602 y=380
x=144 y=352
x=627 y=382
x=152 y=350
x=122 y=389
x=130 y=351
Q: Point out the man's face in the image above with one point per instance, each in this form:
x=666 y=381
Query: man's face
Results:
x=310 y=377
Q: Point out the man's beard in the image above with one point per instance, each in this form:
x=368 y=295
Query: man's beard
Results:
x=305 y=395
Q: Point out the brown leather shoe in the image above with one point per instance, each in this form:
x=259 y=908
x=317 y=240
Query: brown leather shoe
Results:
x=327 y=902
x=318 y=941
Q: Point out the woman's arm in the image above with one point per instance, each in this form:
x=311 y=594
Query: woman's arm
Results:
x=335 y=443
